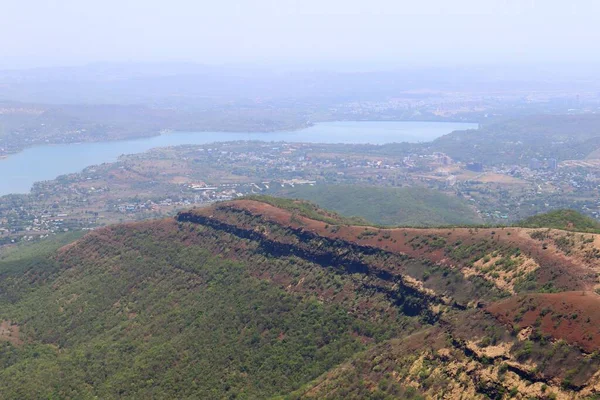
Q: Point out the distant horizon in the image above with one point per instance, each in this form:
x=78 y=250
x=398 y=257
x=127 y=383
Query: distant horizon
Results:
x=355 y=33
x=332 y=66
x=510 y=70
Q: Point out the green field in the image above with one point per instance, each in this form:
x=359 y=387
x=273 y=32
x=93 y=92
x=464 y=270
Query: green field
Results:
x=389 y=206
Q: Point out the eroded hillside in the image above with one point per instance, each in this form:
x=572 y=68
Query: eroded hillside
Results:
x=254 y=299
x=476 y=284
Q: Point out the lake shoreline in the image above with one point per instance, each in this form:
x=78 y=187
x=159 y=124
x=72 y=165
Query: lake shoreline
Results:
x=46 y=162
x=298 y=128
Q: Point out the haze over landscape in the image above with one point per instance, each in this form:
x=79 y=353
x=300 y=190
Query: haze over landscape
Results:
x=299 y=199
x=349 y=34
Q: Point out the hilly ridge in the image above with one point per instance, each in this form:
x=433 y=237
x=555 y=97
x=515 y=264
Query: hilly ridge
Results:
x=406 y=206
x=247 y=299
x=562 y=219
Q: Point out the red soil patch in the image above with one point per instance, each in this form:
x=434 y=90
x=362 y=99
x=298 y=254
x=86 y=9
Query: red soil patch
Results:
x=572 y=316
x=567 y=273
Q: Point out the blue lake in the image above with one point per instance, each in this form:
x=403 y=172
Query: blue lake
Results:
x=18 y=172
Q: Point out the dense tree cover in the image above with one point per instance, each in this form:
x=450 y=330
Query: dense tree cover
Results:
x=562 y=219
x=133 y=314
x=182 y=310
x=409 y=206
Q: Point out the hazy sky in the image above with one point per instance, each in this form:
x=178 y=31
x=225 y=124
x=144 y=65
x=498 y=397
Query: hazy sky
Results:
x=369 y=33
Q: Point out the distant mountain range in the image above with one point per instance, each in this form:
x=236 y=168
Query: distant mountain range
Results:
x=189 y=83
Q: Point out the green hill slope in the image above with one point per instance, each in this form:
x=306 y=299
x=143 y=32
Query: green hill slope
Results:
x=252 y=299
x=137 y=311
x=309 y=209
x=389 y=206
x=562 y=219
